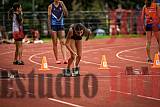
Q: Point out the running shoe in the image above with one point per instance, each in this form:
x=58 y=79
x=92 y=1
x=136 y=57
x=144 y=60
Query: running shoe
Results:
x=20 y=63
x=149 y=60
x=15 y=62
x=67 y=72
x=76 y=71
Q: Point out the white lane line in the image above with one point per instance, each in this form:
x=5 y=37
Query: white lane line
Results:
x=142 y=96
x=87 y=62
x=35 y=55
x=128 y=50
x=6 y=53
x=120 y=92
x=3 y=69
x=131 y=56
x=63 y=102
x=152 y=98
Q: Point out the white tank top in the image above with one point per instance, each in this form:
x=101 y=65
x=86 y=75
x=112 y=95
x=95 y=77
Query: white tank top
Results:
x=15 y=24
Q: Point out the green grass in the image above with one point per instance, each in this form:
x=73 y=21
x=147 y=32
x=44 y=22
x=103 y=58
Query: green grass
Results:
x=48 y=39
x=117 y=36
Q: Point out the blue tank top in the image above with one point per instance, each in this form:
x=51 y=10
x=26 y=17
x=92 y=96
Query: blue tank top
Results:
x=57 y=17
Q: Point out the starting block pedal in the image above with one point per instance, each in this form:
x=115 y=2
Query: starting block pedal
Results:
x=130 y=71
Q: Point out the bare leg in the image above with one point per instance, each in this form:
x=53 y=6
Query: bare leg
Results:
x=70 y=61
x=54 y=41
x=148 y=44
x=157 y=35
x=16 y=51
x=61 y=35
x=79 y=51
x=20 y=50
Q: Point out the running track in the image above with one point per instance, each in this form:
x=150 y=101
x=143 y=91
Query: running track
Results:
x=114 y=89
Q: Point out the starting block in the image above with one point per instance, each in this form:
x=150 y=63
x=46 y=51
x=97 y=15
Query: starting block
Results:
x=130 y=71
x=145 y=71
x=9 y=74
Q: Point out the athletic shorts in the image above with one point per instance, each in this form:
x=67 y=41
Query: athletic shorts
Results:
x=57 y=27
x=159 y=27
x=149 y=27
x=18 y=36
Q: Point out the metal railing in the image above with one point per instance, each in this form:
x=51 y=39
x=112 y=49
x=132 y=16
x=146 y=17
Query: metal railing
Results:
x=94 y=19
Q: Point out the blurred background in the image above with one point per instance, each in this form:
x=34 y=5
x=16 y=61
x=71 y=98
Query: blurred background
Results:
x=104 y=17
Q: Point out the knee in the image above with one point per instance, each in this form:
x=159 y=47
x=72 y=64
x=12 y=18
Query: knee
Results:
x=79 y=57
x=72 y=57
x=148 y=45
x=55 y=44
x=62 y=42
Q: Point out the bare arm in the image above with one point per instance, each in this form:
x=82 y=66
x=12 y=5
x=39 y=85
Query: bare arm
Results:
x=87 y=33
x=64 y=8
x=68 y=40
x=49 y=17
x=143 y=16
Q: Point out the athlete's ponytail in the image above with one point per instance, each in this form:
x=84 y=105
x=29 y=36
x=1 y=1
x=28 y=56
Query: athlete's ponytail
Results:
x=10 y=14
x=12 y=10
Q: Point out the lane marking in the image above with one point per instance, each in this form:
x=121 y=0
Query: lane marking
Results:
x=35 y=55
x=63 y=102
x=141 y=96
x=6 y=53
x=132 y=56
x=128 y=50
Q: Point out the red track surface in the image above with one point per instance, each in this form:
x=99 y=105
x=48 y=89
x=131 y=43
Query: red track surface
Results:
x=114 y=88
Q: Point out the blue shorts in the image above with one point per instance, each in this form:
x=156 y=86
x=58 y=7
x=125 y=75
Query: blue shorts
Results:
x=159 y=26
x=148 y=27
x=57 y=27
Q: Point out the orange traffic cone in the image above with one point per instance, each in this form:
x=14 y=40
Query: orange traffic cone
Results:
x=44 y=65
x=104 y=64
x=156 y=63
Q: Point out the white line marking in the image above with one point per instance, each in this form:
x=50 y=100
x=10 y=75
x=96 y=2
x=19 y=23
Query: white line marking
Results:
x=120 y=92
x=87 y=62
x=6 y=53
x=128 y=50
x=151 y=98
x=35 y=55
x=131 y=56
x=3 y=69
x=63 y=102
